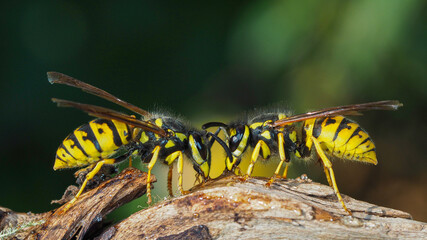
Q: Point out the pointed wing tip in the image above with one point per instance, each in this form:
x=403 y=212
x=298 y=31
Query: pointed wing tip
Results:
x=53 y=77
x=396 y=104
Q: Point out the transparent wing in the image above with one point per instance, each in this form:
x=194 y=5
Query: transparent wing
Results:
x=353 y=109
x=56 y=77
x=106 y=113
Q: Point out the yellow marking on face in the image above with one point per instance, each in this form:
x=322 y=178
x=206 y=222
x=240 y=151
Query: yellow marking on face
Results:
x=169 y=144
x=205 y=169
x=243 y=143
x=195 y=151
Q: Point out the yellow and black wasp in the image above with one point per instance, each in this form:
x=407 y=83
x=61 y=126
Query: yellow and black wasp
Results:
x=154 y=136
x=327 y=130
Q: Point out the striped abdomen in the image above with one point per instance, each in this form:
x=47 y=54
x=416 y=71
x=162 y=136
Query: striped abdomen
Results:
x=91 y=142
x=341 y=138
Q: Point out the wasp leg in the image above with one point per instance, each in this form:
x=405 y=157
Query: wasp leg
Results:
x=232 y=164
x=328 y=166
x=88 y=169
x=260 y=145
x=170 y=180
x=180 y=171
x=130 y=161
x=328 y=177
x=238 y=171
x=285 y=172
x=180 y=165
x=89 y=176
x=282 y=155
x=150 y=166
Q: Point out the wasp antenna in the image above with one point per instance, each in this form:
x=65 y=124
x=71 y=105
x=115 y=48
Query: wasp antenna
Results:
x=222 y=143
x=212 y=139
x=60 y=78
x=213 y=124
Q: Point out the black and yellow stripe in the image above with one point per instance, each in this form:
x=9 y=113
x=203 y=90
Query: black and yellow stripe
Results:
x=98 y=139
x=340 y=137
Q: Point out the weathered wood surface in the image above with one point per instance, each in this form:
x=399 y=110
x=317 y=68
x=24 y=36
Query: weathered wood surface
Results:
x=86 y=214
x=228 y=208
x=293 y=209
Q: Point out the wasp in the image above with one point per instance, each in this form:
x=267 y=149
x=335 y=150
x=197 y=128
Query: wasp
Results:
x=115 y=136
x=326 y=131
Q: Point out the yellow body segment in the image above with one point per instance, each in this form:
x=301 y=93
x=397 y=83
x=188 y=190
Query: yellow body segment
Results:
x=341 y=138
x=87 y=145
x=91 y=142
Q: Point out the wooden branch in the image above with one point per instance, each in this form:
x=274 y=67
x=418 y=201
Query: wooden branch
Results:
x=86 y=213
x=228 y=208
x=292 y=209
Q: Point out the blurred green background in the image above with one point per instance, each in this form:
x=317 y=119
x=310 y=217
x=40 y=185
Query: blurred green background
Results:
x=212 y=62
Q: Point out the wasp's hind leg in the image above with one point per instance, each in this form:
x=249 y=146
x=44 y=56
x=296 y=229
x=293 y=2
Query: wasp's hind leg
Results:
x=84 y=170
x=89 y=176
x=329 y=172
